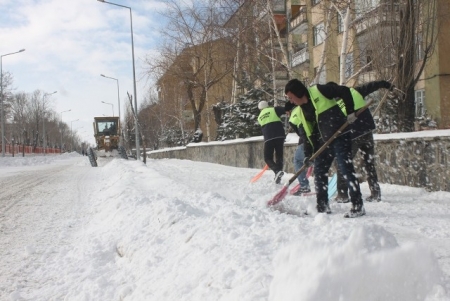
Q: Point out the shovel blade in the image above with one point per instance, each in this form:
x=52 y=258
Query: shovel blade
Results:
x=259 y=175
x=279 y=196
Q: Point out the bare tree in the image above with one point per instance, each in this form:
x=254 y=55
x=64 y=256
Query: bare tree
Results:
x=194 y=54
x=400 y=44
x=393 y=39
x=417 y=34
x=20 y=116
x=259 y=32
x=27 y=113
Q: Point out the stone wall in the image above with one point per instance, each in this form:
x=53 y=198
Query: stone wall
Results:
x=419 y=159
x=415 y=161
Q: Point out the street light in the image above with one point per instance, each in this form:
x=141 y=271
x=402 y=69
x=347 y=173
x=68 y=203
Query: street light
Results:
x=60 y=146
x=118 y=94
x=136 y=123
x=108 y=103
x=1 y=96
x=71 y=132
x=43 y=119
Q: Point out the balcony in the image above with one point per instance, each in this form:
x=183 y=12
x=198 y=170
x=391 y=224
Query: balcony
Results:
x=300 y=57
x=375 y=18
x=299 y=22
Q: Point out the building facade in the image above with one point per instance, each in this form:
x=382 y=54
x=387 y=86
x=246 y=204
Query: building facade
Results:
x=317 y=31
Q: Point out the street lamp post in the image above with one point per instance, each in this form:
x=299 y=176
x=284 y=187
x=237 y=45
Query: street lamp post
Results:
x=108 y=103
x=118 y=93
x=71 y=132
x=136 y=131
x=60 y=146
x=1 y=96
x=43 y=119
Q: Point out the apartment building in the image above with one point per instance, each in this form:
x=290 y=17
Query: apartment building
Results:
x=198 y=78
x=308 y=44
x=316 y=35
x=316 y=32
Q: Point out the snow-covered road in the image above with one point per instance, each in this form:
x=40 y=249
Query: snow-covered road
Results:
x=176 y=230
x=40 y=209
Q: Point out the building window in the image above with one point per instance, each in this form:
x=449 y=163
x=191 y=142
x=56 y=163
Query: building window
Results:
x=279 y=5
x=319 y=34
x=420 y=53
x=348 y=68
x=314 y=2
x=362 y=7
x=340 y=23
x=420 y=102
x=349 y=65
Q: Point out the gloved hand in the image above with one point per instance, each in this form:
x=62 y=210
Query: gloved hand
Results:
x=288 y=106
x=351 y=118
x=307 y=162
x=389 y=86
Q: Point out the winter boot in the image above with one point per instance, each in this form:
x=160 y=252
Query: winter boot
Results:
x=323 y=208
x=302 y=190
x=341 y=199
x=356 y=211
x=375 y=196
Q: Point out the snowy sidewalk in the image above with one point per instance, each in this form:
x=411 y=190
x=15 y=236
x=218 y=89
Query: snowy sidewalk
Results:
x=183 y=230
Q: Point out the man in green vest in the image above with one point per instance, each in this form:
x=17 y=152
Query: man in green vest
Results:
x=362 y=139
x=295 y=123
x=273 y=131
x=321 y=118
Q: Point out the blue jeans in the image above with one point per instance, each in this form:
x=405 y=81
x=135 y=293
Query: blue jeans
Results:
x=341 y=149
x=298 y=163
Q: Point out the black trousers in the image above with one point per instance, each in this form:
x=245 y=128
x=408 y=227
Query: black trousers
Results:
x=271 y=147
x=340 y=149
x=366 y=145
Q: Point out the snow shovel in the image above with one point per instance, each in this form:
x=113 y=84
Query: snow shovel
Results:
x=259 y=175
x=284 y=191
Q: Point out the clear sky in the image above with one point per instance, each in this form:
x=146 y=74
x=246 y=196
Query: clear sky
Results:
x=70 y=43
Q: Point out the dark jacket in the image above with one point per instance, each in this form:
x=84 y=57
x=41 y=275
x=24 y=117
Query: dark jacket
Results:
x=274 y=130
x=330 y=120
x=364 y=123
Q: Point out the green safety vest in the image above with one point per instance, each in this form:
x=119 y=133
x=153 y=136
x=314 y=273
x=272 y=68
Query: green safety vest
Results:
x=358 y=101
x=298 y=119
x=268 y=115
x=320 y=102
x=295 y=117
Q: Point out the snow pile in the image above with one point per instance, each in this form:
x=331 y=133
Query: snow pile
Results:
x=368 y=265
x=180 y=230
